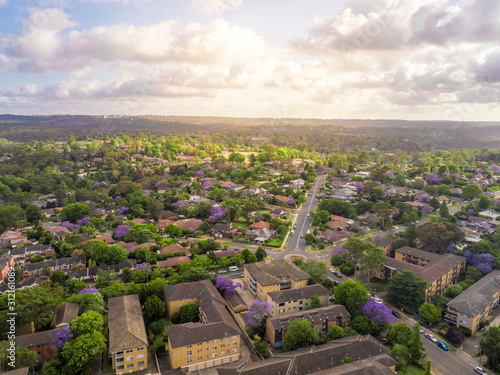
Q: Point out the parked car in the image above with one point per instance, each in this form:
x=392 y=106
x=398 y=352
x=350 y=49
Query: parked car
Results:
x=292 y=233
x=302 y=235
x=431 y=337
x=378 y=300
x=336 y=282
x=443 y=346
x=331 y=270
x=396 y=314
x=222 y=271
x=305 y=243
x=480 y=370
x=338 y=274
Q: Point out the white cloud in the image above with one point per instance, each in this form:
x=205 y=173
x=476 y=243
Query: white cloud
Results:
x=216 y=6
x=3 y=3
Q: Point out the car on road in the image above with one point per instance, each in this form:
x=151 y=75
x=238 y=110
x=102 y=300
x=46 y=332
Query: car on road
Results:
x=480 y=370
x=396 y=314
x=431 y=337
x=302 y=235
x=442 y=345
x=305 y=243
x=292 y=233
x=222 y=271
x=308 y=215
x=331 y=270
x=338 y=274
x=308 y=231
x=377 y=300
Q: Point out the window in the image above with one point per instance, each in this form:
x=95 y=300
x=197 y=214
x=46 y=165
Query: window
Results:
x=130 y=358
x=464 y=322
x=181 y=300
x=282 y=310
x=222 y=345
x=235 y=350
x=139 y=349
x=214 y=355
x=200 y=358
x=222 y=353
x=190 y=360
x=129 y=351
x=214 y=347
x=189 y=352
x=130 y=365
x=214 y=340
x=200 y=343
x=465 y=315
x=235 y=343
x=200 y=350
x=141 y=363
x=190 y=346
x=140 y=356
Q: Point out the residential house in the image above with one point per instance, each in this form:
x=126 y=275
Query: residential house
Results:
x=490 y=213
x=385 y=243
x=128 y=341
x=278 y=213
x=173 y=249
x=11 y=237
x=213 y=341
x=65 y=315
x=279 y=275
x=55 y=265
x=223 y=231
x=24 y=254
x=40 y=342
x=189 y=224
x=322 y=318
x=260 y=225
x=298 y=299
x=260 y=235
x=165 y=223
x=173 y=262
x=230 y=253
x=90 y=274
x=24 y=284
x=169 y=215
x=474 y=305
x=438 y=271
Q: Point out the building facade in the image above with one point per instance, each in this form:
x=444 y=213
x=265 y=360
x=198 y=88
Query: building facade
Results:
x=298 y=299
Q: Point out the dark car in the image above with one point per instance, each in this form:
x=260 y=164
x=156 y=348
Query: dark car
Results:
x=396 y=314
x=336 y=282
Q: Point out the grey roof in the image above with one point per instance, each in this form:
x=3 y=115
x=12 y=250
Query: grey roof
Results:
x=54 y=263
x=279 y=268
x=126 y=325
x=67 y=313
x=37 y=339
x=192 y=333
x=323 y=359
x=383 y=241
x=475 y=299
x=422 y=254
x=316 y=316
x=304 y=292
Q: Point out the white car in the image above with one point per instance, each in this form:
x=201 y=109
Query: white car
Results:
x=431 y=337
x=378 y=300
x=302 y=235
x=480 y=370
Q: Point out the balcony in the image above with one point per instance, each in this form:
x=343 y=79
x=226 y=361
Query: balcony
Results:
x=119 y=363
x=119 y=355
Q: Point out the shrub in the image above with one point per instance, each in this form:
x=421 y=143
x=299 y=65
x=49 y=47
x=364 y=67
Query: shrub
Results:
x=337 y=260
x=455 y=335
x=466 y=331
x=346 y=269
x=175 y=318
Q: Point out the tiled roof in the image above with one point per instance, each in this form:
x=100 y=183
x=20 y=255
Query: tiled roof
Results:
x=37 y=339
x=317 y=316
x=304 y=292
x=126 y=324
x=67 y=313
x=280 y=268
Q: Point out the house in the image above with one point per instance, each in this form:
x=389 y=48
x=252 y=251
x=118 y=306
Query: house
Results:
x=128 y=341
x=7 y=262
x=280 y=274
x=65 y=315
x=282 y=199
x=165 y=223
x=442 y=199
x=213 y=341
x=223 y=231
x=11 y=237
x=173 y=249
x=189 y=224
x=385 y=243
x=370 y=358
x=474 y=305
x=490 y=213
x=22 y=255
x=55 y=265
x=293 y=300
x=24 y=284
x=260 y=235
x=230 y=253
x=169 y=215
x=236 y=302
x=90 y=274
x=260 y=225
x=438 y=271
x=278 y=212
x=322 y=318
x=41 y=343
x=173 y=262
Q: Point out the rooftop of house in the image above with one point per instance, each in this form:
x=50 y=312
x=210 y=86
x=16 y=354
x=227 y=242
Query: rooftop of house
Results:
x=316 y=316
x=304 y=292
x=278 y=269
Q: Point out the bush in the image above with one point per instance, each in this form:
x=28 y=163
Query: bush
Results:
x=175 y=318
x=466 y=331
x=455 y=335
x=346 y=269
x=158 y=346
x=337 y=259
x=156 y=328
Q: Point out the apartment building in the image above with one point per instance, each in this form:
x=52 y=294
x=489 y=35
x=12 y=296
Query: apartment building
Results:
x=23 y=255
x=128 y=341
x=294 y=300
x=475 y=304
x=213 y=341
x=279 y=275
x=437 y=270
x=323 y=318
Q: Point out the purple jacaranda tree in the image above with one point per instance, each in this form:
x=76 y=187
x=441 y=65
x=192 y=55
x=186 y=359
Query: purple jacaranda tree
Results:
x=226 y=286
x=450 y=248
x=359 y=185
x=479 y=175
x=96 y=184
x=83 y=221
x=207 y=185
x=122 y=230
x=291 y=201
x=89 y=290
x=147 y=192
x=217 y=214
x=456 y=175
x=210 y=169
x=488 y=193
x=160 y=197
x=483 y=262
x=258 y=312
x=390 y=174
x=199 y=173
x=122 y=210
x=377 y=312
x=426 y=210
x=61 y=338
x=470 y=210
x=181 y=204
x=320 y=169
x=406 y=169
x=372 y=163
x=424 y=198
x=70 y=226
x=143 y=266
x=259 y=217
x=338 y=249
x=324 y=195
x=494 y=168
x=159 y=185
x=118 y=199
x=433 y=179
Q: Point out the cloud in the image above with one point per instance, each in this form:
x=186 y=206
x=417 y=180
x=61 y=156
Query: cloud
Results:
x=215 y=6
x=3 y=3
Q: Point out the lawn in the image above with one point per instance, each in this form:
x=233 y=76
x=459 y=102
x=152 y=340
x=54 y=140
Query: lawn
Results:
x=412 y=370
x=379 y=287
x=274 y=243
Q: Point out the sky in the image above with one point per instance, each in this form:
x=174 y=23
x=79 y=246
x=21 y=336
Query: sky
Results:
x=362 y=59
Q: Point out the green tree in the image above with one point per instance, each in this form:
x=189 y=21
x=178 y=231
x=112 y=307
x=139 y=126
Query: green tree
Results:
x=399 y=333
x=74 y=212
x=33 y=214
x=438 y=236
x=189 y=313
x=58 y=277
x=38 y=305
x=353 y=295
x=336 y=332
x=155 y=210
x=400 y=354
x=453 y=290
x=196 y=274
x=372 y=258
x=429 y=313
x=89 y=302
x=87 y=323
x=443 y=211
x=79 y=352
x=23 y=356
x=315 y=269
x=52 y=367
x=155 y=308
x=126 y=275
x=365 y=326
x=490 y=345
x=427 y=368
x=405 y=287
x=114 y=290
x=471 y=192
x=300 y=333
x=260 y=254
x=416 y=346
x=315 y=302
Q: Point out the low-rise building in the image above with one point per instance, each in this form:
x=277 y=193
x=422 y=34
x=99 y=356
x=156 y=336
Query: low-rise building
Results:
x=475 y=304
x=437 y=270
x=55 y=265
x=40 y=342
x=298 y=299
x=322 y=318
x=213 y=341
x=279 y=275
x=128 y=341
